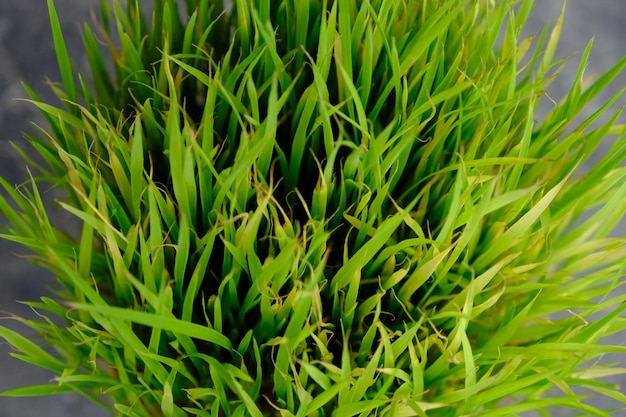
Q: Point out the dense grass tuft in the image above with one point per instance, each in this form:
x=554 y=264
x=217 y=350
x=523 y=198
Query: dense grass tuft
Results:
x=316 y=208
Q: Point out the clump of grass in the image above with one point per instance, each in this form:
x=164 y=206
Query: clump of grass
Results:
x=304 y=208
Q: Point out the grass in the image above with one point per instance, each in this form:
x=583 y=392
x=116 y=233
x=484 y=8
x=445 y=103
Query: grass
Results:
x=323 y=208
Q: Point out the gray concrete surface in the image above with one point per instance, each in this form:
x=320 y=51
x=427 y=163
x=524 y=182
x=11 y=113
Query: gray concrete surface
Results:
x=26 y=54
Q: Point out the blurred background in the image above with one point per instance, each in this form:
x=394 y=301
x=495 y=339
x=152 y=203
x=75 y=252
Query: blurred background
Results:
x=27 y=55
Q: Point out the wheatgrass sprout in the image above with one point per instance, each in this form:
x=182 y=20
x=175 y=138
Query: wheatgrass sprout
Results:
x=325 y=208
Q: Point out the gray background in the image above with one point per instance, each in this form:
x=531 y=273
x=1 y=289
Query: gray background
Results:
x=26 y=54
